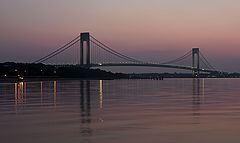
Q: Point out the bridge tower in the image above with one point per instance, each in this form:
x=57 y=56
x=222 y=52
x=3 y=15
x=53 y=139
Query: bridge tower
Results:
x=84 y=45
x=195 y=62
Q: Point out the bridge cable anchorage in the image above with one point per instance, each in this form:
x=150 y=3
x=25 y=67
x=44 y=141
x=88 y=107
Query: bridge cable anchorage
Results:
x=205 y=59
x=179 y=59
x=110 y=50
x=59 y=50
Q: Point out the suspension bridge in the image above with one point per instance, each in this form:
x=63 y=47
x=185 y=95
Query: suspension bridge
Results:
x=90 y=52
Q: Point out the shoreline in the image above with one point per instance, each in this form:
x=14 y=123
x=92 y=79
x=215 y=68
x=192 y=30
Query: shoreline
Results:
x=15 y=79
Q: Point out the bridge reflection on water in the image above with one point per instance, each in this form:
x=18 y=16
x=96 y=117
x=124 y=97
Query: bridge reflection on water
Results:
x=89 y=96
x=123 y=110
x=87 y=89
x=198 y=95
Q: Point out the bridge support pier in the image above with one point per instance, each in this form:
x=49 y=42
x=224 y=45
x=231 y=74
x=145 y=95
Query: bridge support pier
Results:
x=195 y=62
x=85 y=44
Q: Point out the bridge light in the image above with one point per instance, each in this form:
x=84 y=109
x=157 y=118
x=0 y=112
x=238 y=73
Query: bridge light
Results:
x=100 y=64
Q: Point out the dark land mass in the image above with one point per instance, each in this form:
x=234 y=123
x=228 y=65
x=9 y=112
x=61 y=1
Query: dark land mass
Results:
x=27 y=70
x=11 y=70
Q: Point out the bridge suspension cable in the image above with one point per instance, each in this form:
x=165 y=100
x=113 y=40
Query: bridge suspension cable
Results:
x=205 y=64
x=179 y=59
x=205 y=61
x=110 y=50
x=59 y=50
x=100 y=46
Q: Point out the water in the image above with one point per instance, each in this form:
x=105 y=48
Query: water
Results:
x=169 y=111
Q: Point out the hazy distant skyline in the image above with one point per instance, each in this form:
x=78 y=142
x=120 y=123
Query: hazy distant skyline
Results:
x=140 y=28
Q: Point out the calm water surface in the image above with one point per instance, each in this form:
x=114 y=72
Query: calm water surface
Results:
x=118 y=111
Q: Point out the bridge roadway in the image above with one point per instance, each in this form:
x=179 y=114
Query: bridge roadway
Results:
x=151 y=65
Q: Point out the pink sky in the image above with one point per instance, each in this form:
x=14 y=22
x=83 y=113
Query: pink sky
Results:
x=31 y=28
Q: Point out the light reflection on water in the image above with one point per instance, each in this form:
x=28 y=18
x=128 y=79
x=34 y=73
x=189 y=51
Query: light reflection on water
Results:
x=172 y=110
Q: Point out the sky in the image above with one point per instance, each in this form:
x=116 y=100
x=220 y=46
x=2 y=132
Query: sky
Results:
x=145 y=29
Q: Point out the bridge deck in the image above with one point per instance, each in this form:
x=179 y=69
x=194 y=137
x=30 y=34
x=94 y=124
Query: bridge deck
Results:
x=151 y=65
